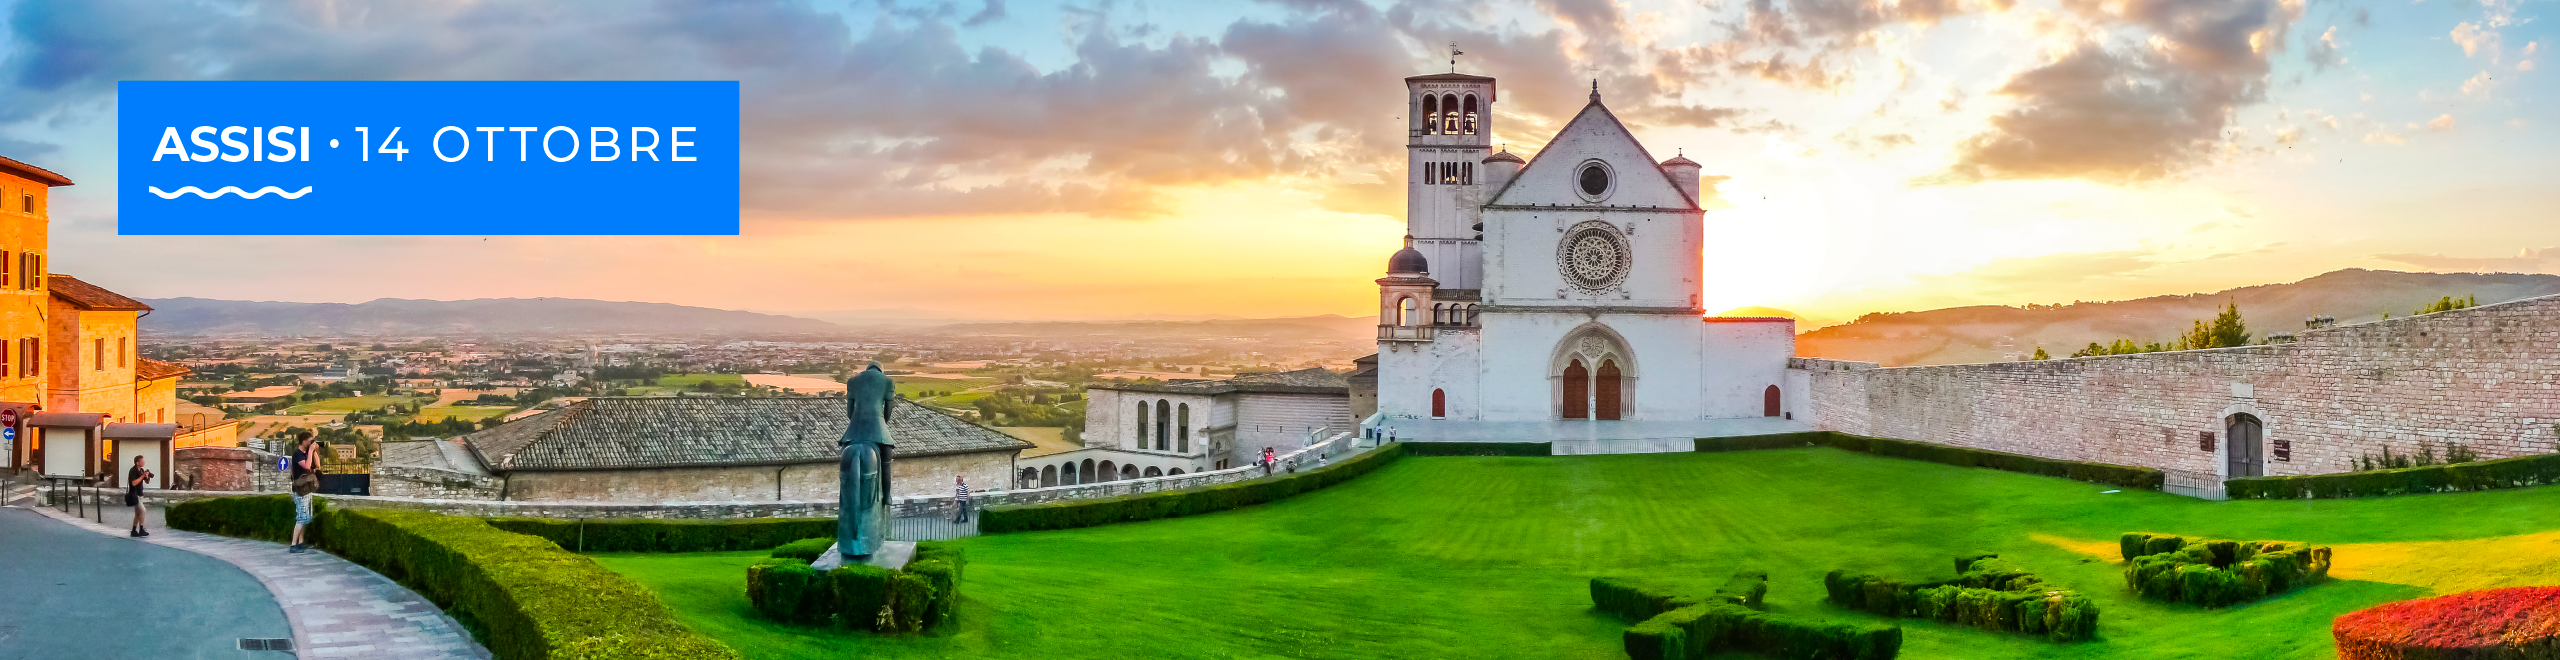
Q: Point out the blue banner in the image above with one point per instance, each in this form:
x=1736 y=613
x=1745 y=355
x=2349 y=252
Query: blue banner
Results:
x=427 y=158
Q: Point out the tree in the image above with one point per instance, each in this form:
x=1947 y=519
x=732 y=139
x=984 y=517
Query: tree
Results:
x=2447 y=304
x=2040 y=354
x=2228 y=329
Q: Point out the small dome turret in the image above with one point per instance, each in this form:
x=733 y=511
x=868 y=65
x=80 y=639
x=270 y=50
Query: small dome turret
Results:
x=1408 y=261
x=1505 y=157
x=1684 y=174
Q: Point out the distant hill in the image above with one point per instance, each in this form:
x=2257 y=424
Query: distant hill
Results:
x=1325 y=327
x=1991 y=333
x=397 y=316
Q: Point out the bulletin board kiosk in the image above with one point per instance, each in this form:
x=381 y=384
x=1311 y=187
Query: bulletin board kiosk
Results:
x=150 y=442
x=67 y=445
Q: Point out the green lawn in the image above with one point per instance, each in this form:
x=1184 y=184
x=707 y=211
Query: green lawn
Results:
x=914 y=388
x=1490 y=557
x=690 y=380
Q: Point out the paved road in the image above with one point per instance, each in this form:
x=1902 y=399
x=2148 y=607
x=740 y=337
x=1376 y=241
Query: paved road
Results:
x=67 y=592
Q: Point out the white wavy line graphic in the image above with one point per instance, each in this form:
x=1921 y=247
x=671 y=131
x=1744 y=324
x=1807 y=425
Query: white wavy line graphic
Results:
x=231 y=190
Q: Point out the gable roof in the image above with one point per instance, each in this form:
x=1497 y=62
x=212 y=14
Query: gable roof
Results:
x=91 y=297
x=32 y=173
x=150 y=369
x=1312 y=380
x=606 y=433
x=1590 y=118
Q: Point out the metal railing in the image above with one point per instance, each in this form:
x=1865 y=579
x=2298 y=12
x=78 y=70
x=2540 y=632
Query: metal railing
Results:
x=1391 y=332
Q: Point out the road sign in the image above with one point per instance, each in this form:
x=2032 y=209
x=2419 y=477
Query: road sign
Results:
x=8 y=434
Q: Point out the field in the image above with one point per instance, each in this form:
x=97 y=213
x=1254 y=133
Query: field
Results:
x=1490 y=557
x=465 y=412
x=914 y=387
x=347 y=404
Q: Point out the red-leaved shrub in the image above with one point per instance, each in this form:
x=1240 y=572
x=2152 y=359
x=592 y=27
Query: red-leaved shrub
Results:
x=2521 y=623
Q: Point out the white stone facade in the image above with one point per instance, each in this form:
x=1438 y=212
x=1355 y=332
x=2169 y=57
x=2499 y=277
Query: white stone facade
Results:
x=1580 y=299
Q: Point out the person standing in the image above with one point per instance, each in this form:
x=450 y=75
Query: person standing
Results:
x=962 y=499
x=1266 y=461
x=306 y=480
x=133 y=480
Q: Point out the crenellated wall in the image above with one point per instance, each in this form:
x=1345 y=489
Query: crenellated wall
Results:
x=2487 y=378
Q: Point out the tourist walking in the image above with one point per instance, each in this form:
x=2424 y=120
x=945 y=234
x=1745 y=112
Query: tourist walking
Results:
x=1266 y=461
x=962 y=499
x=306 y=480
x=133 y=480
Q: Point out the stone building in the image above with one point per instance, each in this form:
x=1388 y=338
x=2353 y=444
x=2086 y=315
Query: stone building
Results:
x=692 y=449
x=1150 y=429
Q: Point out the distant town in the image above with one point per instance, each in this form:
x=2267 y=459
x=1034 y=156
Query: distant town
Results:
x=358 y=391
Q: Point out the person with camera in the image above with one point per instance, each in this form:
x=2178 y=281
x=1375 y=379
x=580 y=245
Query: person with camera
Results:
x=306 y=480
x=133 y=481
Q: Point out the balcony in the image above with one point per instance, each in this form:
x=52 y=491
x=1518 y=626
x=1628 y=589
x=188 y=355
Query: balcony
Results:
x=1420 y=333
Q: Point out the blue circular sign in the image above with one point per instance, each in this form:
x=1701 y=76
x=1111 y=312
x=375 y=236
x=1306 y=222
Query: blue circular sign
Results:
x=8 y=434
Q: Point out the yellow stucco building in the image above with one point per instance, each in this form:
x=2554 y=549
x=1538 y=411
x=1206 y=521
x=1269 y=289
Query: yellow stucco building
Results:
x=70 y=368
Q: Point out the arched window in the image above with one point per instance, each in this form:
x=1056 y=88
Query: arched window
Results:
x=1769 y=402
x=1153 y=472
x=1182 y=430
x=1128 y=472
x=1142 y=425
x=1430 y=114
x=1439 y=314
x=1109 y=472
x=1048 y=476
x=1471 y=114
x=1449 y=113
x=1164 y=423
x=1408 y=312
x=1467 y=173
x=1067 y=474
x=1471 y=315
x=1030 y=478
x=1439 y=403
x=1084 y=473
x=1175 y=473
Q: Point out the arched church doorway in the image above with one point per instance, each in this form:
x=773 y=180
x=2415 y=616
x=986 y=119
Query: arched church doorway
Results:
x=1577 y=391
x=2246 y=448
x=1604 y=398
x=1769 y=402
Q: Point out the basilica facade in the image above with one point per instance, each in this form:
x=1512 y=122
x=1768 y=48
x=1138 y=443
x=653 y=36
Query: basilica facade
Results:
x=1559 y=291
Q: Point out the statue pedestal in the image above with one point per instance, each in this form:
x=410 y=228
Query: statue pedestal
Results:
x=893 y=555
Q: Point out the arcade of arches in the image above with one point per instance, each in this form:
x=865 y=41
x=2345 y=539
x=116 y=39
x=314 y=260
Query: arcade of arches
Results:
x=1087 y=471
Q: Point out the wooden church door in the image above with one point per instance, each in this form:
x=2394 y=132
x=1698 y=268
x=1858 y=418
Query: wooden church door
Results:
x=1607 y=385
x=2247 y=453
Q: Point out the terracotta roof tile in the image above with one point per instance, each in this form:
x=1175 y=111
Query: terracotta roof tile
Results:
x=92 y=297
x=644 y=432
x=150 y=369
x=37 y=174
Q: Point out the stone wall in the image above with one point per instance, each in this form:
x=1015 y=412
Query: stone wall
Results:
x=921 y=476
x=2480 y=377
x=432 y=483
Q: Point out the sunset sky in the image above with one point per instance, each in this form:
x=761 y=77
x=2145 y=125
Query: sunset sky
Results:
x=1017 y=159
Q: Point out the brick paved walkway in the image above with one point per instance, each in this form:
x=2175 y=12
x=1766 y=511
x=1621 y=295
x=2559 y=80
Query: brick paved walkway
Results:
x=338 y=609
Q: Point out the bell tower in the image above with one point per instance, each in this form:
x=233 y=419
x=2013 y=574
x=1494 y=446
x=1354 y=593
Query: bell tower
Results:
x=1450 y=133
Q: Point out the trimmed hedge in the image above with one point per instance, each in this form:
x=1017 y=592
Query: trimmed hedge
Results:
x=1988 y=593
x=528 y=599
x=1675 y=626
x=652 y=535
x=1478 y=448
x=860 y=596
x=2516 y=472
x=262 y=517
x=804 y=549
x=1069 y=514
x=2215 y=572
x=1770 y=441
x=2124 y=476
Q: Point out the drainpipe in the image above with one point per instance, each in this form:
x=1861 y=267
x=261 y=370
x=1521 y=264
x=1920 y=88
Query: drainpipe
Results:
x=777 y=482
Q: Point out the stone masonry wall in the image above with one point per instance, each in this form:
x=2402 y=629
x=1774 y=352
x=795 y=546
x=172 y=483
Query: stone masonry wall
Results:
x=2481 y=377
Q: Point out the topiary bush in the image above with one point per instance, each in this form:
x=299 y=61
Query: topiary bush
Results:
x=1069 y=514
x=262 y=517
x=1988 y=593
x=653 y=535
x=860 y=596
x=2519 y=623
x=2215 y=572
x=2517 y=472
x=806 y=550
x=1674 y=626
